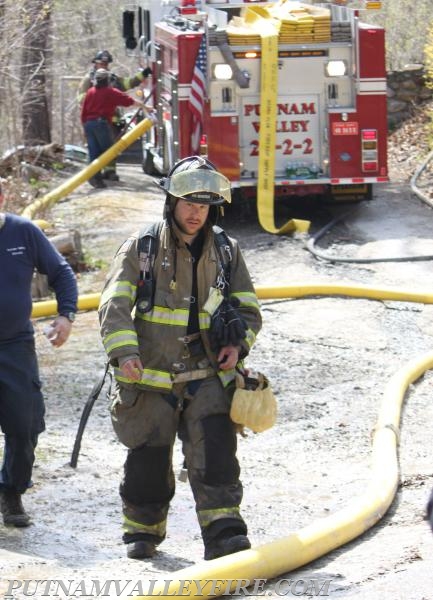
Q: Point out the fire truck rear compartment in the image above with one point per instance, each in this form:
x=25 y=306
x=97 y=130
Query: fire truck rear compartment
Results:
x=330 y=97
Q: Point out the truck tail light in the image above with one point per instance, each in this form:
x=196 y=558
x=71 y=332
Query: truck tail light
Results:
x=203 y=145
x=369 y=150
x=188 y=7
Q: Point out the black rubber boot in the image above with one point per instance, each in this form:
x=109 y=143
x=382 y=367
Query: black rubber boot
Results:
x=140 y=550
x=97 y=182
x=224 y=536
x=226 y=544
x=110 y=175
x=143 y=546
x=13 y=510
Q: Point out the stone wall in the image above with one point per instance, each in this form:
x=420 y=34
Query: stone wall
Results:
x=406 y=89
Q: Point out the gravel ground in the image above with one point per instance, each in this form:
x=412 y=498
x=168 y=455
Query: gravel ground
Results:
x=329 y=360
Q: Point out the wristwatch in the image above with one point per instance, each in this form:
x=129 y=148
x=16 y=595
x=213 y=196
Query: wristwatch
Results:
x=70 y=316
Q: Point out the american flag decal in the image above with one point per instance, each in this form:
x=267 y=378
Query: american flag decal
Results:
x=197 y=95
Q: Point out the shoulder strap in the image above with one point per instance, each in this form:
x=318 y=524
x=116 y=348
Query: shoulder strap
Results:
x=224 y=248
x=147 y=248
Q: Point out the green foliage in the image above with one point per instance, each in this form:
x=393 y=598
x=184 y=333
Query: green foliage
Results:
x=93 y=264
x=428 y=56
x=406 y=24
x=428 y=62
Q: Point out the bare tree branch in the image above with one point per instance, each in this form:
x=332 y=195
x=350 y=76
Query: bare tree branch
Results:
x=34 y=62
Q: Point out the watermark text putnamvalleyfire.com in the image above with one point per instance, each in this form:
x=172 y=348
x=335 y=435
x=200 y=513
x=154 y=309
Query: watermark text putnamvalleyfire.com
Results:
x=69 y=589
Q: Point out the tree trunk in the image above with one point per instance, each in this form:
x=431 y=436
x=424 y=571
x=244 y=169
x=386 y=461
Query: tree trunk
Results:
x=34 y=59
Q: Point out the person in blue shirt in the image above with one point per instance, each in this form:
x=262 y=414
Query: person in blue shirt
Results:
x=24 y=248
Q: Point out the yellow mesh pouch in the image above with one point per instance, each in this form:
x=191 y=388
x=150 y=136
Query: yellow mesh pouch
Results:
x=254 y=404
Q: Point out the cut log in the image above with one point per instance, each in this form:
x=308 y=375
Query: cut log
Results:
x=43 y=155
x=68 y=243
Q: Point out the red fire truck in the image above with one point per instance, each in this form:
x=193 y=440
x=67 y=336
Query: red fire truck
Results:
x=286 y=98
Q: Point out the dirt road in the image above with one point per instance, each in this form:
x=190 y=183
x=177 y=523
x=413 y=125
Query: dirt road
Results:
x=329 y=359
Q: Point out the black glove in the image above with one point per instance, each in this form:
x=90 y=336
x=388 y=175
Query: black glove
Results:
x=227 y=327
x=146 y=72
x=115 y=81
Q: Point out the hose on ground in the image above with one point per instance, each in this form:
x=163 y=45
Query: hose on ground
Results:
x=413 y=182
x=311 y=247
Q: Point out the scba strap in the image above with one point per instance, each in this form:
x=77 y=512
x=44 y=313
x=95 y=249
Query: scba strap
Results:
x=147 y=248
x=225 y=254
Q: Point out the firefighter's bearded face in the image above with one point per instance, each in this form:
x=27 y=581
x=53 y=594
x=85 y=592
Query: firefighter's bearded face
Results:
x=195 y=193
x=190 y=217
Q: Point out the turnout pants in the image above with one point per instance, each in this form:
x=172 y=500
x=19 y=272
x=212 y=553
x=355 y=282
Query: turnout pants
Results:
x=21 y=412
x=147 y=423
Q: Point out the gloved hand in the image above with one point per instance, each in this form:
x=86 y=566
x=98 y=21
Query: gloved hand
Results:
x=146 y=72
x=227 y=327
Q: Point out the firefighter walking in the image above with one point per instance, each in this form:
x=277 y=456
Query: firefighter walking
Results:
x=102 y=60
x=99 y=105
x=175 y=324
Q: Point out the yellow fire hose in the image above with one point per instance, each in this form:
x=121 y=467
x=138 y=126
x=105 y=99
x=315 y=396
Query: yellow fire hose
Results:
x=49 y=307
x=259 y=19
x=94 y=167
x=295 y=290
x=286 y=554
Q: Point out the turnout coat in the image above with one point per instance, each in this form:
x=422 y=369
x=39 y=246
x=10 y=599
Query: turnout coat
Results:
x=157 y=336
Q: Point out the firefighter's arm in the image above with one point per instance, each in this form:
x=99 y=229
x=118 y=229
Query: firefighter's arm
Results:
x=243 y=297
x=84 y=85
x=117 y=301
x=237 y=320
x=127 y=83
x=139 y=77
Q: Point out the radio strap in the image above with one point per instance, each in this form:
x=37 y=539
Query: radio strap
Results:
x=147 y=248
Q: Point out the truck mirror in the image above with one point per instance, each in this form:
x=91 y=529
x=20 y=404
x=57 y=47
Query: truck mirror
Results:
x=128 y=33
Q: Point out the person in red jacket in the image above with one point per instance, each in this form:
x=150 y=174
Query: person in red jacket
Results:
x=97 y=112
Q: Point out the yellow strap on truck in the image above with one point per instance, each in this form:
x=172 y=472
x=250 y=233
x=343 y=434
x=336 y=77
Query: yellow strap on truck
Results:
x=268 y=28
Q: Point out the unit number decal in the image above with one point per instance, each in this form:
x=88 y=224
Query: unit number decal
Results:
x=287 y=146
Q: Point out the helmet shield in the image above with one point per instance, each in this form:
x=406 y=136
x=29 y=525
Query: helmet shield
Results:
x=201 y=186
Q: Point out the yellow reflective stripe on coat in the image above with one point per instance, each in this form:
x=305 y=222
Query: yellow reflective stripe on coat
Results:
x=149 y=377
x=130 y=526
x=117 y=290
x=206 y=517
x=250 y=338
x=247 y=299
x=226 y=377
x=118 y=339
x=166 y=316
x=204 y=320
